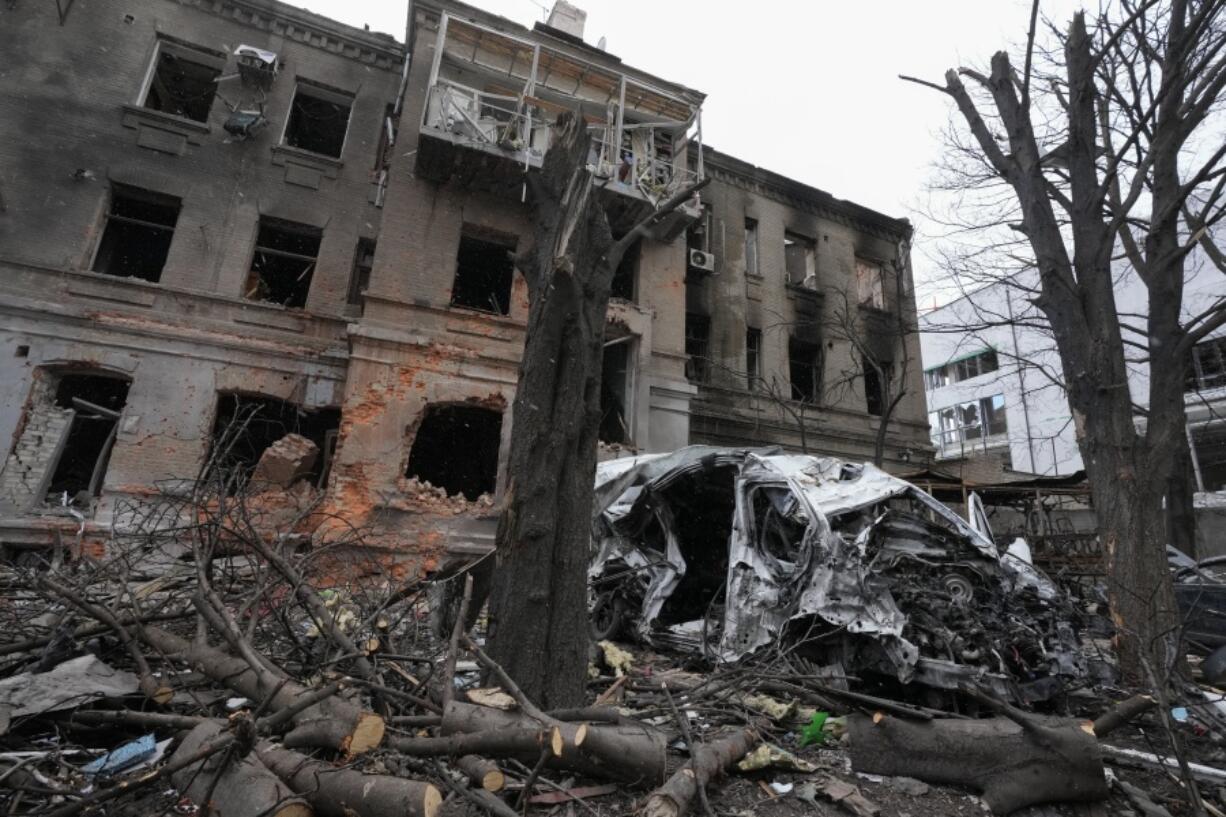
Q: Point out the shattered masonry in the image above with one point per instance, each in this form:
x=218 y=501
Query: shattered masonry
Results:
x=313 y=248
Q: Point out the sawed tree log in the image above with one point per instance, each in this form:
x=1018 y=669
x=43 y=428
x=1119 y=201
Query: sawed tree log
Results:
x=709 y=759
x=241 y=787
x=629 y=752
x=482 y=772
x=336 y=792
x=334 y=723
x=1015 y=761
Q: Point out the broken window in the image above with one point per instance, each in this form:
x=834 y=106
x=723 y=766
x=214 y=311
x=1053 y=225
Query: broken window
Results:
x=363 y=263
x=456 y=449
x=626 y=275
x=93 y=403
x=697 y=347
x=614 y=391
x=800 y=260
x=484 y=271
x=971 y=420
x=805 y=370
x=753 y=356
x=244 y=427
x=751 y=247
x=1207 y=367
x=283 y=262
x=183 y=81
x=870 y=284
x=136 y=239
x=318 y=120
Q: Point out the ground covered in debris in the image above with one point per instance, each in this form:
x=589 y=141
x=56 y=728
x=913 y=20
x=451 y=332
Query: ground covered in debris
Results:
x=206 y=666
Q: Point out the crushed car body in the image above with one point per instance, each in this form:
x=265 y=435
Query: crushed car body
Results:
x=729 y=551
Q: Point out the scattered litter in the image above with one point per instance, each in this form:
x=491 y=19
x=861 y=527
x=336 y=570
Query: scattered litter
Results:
x=617 y=659
x=813 y=732
x=770 y=756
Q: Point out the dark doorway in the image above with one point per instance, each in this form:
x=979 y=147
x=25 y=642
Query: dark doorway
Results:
x=456 y=449
x=96 y=402
x=614 y=391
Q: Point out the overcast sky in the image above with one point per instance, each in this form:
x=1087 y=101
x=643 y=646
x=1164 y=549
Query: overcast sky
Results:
x=810 y=89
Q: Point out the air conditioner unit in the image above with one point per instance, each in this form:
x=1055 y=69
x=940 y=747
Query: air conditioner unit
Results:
x=702 y=260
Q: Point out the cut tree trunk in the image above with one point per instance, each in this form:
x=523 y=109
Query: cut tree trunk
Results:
x=710 y=759
x=1054 y=760
x=538 y=627
x=242 y=787
x=335 y=792
x=630 y=752
x=334 y=723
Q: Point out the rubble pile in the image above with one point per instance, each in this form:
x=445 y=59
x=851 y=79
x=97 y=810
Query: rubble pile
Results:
x=212 y=668
x=431 y=498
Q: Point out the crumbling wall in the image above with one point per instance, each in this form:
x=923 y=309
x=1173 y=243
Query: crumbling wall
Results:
x=35 y=450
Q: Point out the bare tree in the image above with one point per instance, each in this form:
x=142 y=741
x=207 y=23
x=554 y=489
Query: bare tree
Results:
x=538 y=597
x=1116 y=147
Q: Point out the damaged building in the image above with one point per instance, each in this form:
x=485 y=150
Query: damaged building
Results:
x=242 y=221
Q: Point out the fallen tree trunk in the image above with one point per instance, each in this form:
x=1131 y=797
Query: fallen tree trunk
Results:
x=334 y=723
x=231 y=786
x=1013 y=764
x=337 y=792
x=629 y=752
x=1123 y=713
x=709 y=759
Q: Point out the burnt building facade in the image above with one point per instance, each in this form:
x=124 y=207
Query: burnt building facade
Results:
x=238 y=213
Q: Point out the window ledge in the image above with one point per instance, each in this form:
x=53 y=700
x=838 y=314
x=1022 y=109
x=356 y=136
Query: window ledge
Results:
x=168 y=121
x=796 y=290
x=280 y=153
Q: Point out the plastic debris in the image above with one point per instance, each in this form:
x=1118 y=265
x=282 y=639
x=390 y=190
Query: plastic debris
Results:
x=770 y=756
x=123 y=757
x=813 y=731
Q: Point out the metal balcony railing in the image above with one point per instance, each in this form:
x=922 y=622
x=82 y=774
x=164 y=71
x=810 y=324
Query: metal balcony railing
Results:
x=504 y=123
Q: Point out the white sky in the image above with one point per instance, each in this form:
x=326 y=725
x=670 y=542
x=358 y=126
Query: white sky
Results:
x=806 y=89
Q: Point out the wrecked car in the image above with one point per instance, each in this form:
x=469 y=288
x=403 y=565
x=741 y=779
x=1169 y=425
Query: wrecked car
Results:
x=728 y=552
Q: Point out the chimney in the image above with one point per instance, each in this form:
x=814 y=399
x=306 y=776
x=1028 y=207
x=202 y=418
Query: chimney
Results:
x=567 y=18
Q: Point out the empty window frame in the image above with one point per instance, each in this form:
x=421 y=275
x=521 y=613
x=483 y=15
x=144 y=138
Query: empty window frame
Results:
x=136 y=237
x=1207 y=368
x=936 y=378
x=751 y=247
x=283 y=262
x=182 y=81
x=697 y=347
x=753 y=356
x=93 y=403
x=363 y=263
x=805 y=370
x=870 y=283
x=800 y=260
x=318 y=120
x=484 y=271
